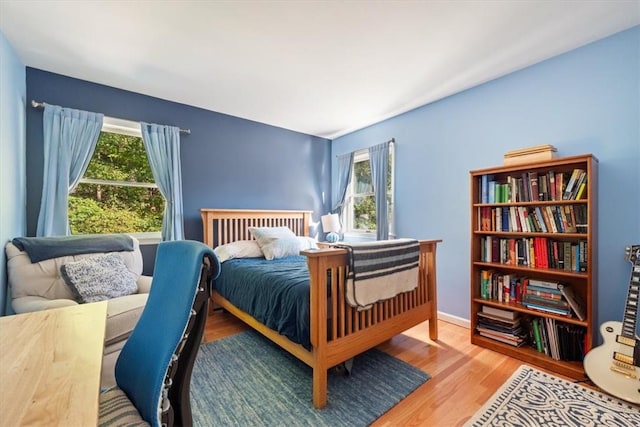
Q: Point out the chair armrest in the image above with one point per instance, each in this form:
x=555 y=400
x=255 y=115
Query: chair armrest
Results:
x=35 y=303
x=144 y=284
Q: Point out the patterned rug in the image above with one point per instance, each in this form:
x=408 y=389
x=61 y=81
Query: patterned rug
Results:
x=534 y=398
x=246 y=380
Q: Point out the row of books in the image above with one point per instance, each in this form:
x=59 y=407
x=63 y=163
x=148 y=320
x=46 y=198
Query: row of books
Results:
x=534 y=219
x=541 y=295
x=558 y=340
x=534 y=186
x=535 y=252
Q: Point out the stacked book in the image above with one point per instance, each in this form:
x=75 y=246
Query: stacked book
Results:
x=552 y=297
x=501 y=325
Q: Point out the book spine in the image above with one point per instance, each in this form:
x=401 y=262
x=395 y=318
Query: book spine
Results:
x=544 y=284
x=536 y=335
x=533 y=186
x=484 y=188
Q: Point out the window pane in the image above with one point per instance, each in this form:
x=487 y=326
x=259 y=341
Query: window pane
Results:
x=362 y=175
x=119 y=158
x=364 y=213
x=98 y=209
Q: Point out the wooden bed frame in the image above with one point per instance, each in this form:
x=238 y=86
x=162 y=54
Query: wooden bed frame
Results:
x=338 y=331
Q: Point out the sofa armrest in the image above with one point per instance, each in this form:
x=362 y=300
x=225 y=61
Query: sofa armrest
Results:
x=34 y=303
x=144 y=284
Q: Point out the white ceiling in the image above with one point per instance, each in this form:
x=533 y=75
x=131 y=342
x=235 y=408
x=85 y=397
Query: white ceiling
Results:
x=323 y=68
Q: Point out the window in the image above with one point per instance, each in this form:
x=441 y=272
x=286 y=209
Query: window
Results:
x=360 y=213
x=117 y=193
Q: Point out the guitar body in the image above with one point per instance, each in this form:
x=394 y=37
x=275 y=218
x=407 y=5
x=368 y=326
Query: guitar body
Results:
x=615 y=365
x=607 y=372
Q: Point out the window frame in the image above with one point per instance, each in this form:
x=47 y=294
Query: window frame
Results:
x=348 y=218
x=128 y=128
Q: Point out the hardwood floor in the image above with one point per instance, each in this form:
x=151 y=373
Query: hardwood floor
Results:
x=463 y=376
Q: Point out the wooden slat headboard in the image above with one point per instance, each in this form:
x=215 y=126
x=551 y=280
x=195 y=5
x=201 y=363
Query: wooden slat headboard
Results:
x=221 y=226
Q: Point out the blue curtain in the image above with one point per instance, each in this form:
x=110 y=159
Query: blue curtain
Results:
x=345 y=167
x=70 y=138
x=162 y=144
x=379 y=160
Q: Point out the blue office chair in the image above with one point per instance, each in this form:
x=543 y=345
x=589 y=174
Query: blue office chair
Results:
x=153 y=370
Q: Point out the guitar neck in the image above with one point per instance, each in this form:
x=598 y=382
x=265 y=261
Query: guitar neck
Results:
x=631 y=308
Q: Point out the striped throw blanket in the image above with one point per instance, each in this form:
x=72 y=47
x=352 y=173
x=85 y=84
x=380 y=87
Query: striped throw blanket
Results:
x=381 y=270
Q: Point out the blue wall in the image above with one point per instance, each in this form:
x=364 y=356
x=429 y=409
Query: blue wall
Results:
x=584 y=101
x=227 y=162
x=12 y=160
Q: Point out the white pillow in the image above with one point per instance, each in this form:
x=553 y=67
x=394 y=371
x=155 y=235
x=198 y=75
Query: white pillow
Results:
x=266 y=235
x=288 y=246
x=99 y=278
x=238 y=249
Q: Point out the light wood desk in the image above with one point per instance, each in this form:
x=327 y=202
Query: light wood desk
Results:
x=50 y=364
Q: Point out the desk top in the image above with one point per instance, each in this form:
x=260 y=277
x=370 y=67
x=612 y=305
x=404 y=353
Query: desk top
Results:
x=50 y=364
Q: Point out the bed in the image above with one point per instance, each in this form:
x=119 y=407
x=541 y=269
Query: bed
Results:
x=337 y=331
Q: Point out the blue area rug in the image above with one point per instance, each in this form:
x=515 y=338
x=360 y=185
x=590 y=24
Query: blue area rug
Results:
x=532 y=398
x=246 y=380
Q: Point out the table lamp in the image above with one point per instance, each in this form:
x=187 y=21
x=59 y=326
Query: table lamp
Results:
x=331 y=226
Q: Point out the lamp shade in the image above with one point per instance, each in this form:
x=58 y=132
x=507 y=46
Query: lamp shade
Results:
x=331 y=226
x=330 y=223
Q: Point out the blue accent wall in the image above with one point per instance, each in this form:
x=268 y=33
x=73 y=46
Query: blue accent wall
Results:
x=584 y=101
x=227 y=162
x=12 y=160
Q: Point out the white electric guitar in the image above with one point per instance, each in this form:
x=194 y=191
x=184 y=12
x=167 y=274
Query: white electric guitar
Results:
x=615 y=365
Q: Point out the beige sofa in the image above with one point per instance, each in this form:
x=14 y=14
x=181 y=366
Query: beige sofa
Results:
x=40 y=286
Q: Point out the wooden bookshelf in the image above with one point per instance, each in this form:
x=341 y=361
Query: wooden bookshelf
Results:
x=507 y=191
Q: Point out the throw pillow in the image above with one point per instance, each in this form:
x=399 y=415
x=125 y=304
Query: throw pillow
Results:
x=99 y=278
x=288 y=246
x=238 y=249
x=266 y=235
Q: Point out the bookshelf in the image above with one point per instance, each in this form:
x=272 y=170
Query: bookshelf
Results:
x=529 y=226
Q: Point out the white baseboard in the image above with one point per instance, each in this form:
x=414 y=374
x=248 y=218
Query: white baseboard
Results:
x=449 y=318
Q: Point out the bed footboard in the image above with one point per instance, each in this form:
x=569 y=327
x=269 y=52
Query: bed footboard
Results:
x=340 y=332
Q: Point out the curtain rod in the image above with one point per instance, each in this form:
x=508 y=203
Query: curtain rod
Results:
x=36 y=104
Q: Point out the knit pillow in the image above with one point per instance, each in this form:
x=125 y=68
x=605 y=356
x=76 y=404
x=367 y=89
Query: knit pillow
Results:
x=99 y=278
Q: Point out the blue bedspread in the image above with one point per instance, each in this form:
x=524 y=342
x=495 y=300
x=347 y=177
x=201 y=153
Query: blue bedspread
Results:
x=276 y=293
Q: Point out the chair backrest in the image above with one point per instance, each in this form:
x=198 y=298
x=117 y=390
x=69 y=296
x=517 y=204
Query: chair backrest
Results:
x=154 y=366
x=43 y=279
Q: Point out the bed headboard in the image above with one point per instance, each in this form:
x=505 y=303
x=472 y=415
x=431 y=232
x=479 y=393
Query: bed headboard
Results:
x=220 y=226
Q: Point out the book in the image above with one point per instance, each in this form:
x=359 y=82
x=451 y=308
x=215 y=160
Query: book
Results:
x=533 y=186
x=536 y=335
x=543 y=292
x=491 y=318
x=492 y=192
x=505 y=314
x=515 y=343
x=560 y=185
x=547 y=309
x=552 y=184
x=543 y=284
x=484 y=188
x=580 y=194
x=547 y=302
x=576 y=303
x=567 y=255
